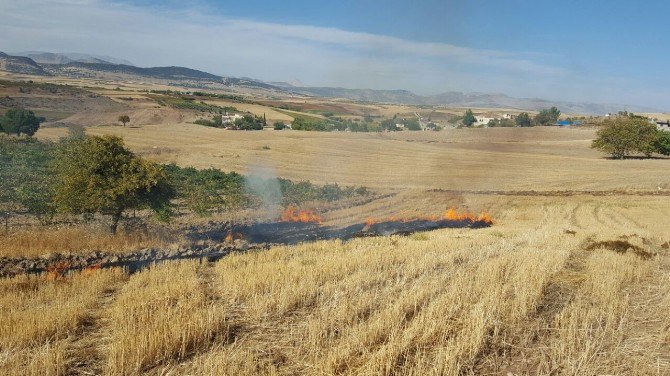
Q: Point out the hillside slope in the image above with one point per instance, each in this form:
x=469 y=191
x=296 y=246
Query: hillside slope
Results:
x=20 y=64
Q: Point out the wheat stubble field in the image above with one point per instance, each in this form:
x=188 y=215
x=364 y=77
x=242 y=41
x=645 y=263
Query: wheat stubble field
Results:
x=569 y=281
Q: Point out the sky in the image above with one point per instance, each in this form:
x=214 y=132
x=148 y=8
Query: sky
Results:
x=611 y=51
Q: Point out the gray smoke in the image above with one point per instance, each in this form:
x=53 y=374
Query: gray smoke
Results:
x=263 y=184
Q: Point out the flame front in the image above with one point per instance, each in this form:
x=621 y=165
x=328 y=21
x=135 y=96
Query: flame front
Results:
x=450 y=215
x=232 y=236
x=293 y=214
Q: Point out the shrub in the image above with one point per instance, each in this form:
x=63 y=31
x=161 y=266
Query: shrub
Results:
x=217 y=122
x=202 y=191
x=662 y=144
x=25 y=176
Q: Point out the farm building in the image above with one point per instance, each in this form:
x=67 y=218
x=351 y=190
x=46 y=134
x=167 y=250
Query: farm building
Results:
x=663 y=125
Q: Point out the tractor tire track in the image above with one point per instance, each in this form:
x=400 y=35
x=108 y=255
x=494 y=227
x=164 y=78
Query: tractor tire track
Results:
x=629 y=219
x=574 y=218
x=225 y=332
x=559 y=291
x=86 y=355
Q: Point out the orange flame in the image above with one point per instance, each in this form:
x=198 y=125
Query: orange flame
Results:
x=232 y=236
x=450 y=215
x=292 y=214
x=56 y=272
x=92 y=269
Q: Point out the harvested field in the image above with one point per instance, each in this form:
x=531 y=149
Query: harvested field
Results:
x=523 y=296
x=571 y=279
x=512 y=159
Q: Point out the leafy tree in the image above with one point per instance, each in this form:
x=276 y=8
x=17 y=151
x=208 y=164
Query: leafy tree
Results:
x=412 y=124
x=99 y=175
x=433 y=126
x=389 y=125
x=623 y=136
x=548 y=116
x=278 y=126
x=523 y=120
x=26 y=181
x=124 y=119
x=20 y=121
x=662 y=144
x=469 y=118
x=249 y=122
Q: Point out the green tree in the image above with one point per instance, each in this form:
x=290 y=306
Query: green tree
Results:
x=662 y=144
x=412 y=124
x=124 y=119
x=249 y=122
x=389 y=125
x=99 y=175
x=501 y=123
x=469 y=118
x=20 y=121
x=547 y=116
x=623 y=136
x=278 y=126
x=26 y=181
x=523 y=120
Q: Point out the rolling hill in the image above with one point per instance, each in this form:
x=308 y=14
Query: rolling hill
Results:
x=460 y=99
x=20 y=64
x=169 y=73
x=81 y=65
x=41 y=57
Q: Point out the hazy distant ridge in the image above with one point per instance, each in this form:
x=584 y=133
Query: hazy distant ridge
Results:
x=63 y=64
x=41 y=57
x=460 y=99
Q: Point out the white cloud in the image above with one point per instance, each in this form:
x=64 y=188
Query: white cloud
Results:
x=198 y=38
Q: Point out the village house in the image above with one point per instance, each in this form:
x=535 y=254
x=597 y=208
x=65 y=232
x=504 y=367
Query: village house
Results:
x=663 y=125
x=229 y=119
x=482 y=120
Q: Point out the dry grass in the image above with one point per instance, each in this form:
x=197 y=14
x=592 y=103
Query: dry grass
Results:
x=541 y=292
x=38 y=241
x=540 y=158
x=39 y=315
x=162 y=314
x=523 y=296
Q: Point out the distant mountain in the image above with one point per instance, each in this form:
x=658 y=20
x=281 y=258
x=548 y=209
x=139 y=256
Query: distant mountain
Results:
x=366 y=95
x=168 y=73
x=459 y=99
x=249 y=82
x=82 y=65
x=20 y=64
x=41 y=57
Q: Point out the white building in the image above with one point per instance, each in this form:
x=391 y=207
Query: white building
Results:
x=482 y=120
x=228 y=119
x=663 y=125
